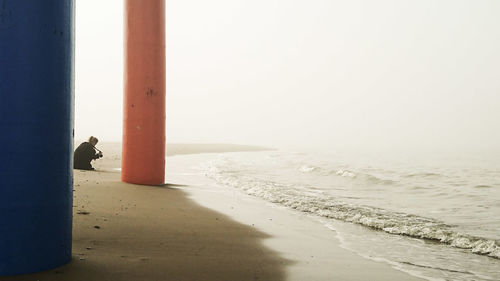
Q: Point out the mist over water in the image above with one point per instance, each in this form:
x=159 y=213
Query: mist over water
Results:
x=435 y=214
x=356 y=74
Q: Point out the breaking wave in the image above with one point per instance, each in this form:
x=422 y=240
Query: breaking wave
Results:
x=345 y=173
x=375 y=218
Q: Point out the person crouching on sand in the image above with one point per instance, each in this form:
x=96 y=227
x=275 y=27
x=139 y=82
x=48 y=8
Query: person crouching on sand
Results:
x=85 y=153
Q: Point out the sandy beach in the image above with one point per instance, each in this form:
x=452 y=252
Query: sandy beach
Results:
x=177 y=232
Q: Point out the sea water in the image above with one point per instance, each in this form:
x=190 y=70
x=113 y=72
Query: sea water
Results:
x=436 y=216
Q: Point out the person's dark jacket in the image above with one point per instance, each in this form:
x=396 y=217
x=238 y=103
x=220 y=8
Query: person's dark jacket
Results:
x=83 y=155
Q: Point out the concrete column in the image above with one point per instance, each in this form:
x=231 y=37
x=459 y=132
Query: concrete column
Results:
x=143 y=154
x=36 y=134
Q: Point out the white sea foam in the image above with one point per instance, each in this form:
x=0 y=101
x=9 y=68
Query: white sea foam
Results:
x=344 y=173
x=451 y=207
x=307 y=169
x=376 y=218
x=344 y=205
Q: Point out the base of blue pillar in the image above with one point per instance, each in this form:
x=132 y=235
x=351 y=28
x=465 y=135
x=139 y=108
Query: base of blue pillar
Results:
x=36 y=134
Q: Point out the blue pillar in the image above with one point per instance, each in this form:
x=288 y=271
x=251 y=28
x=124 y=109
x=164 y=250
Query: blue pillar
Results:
x=36 y=134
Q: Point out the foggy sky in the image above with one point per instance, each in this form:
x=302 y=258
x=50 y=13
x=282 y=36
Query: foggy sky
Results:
x=323 y=73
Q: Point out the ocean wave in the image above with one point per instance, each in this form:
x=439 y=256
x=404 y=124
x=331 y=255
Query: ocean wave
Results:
x=370 y=179
x=345 y=173
x=483 y=186
x=423 y=175
x=308 y=169
x=305 y=168
x=375 y=218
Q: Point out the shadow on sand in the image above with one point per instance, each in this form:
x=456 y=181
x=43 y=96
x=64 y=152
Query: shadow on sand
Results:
x=148 y=233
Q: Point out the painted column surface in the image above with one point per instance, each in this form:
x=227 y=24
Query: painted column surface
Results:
x=36 y=134
x=143 y=155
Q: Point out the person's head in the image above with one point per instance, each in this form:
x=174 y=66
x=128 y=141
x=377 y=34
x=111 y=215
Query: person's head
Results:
x=93 y=140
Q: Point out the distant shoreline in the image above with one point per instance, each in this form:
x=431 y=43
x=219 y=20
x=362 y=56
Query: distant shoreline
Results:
x=195 y=148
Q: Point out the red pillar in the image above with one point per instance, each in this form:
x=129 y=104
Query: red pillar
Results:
x=143 y=154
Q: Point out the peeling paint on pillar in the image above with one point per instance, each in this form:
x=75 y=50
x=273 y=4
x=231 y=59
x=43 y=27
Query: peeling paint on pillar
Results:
x=36 y=134
x=143 y=154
